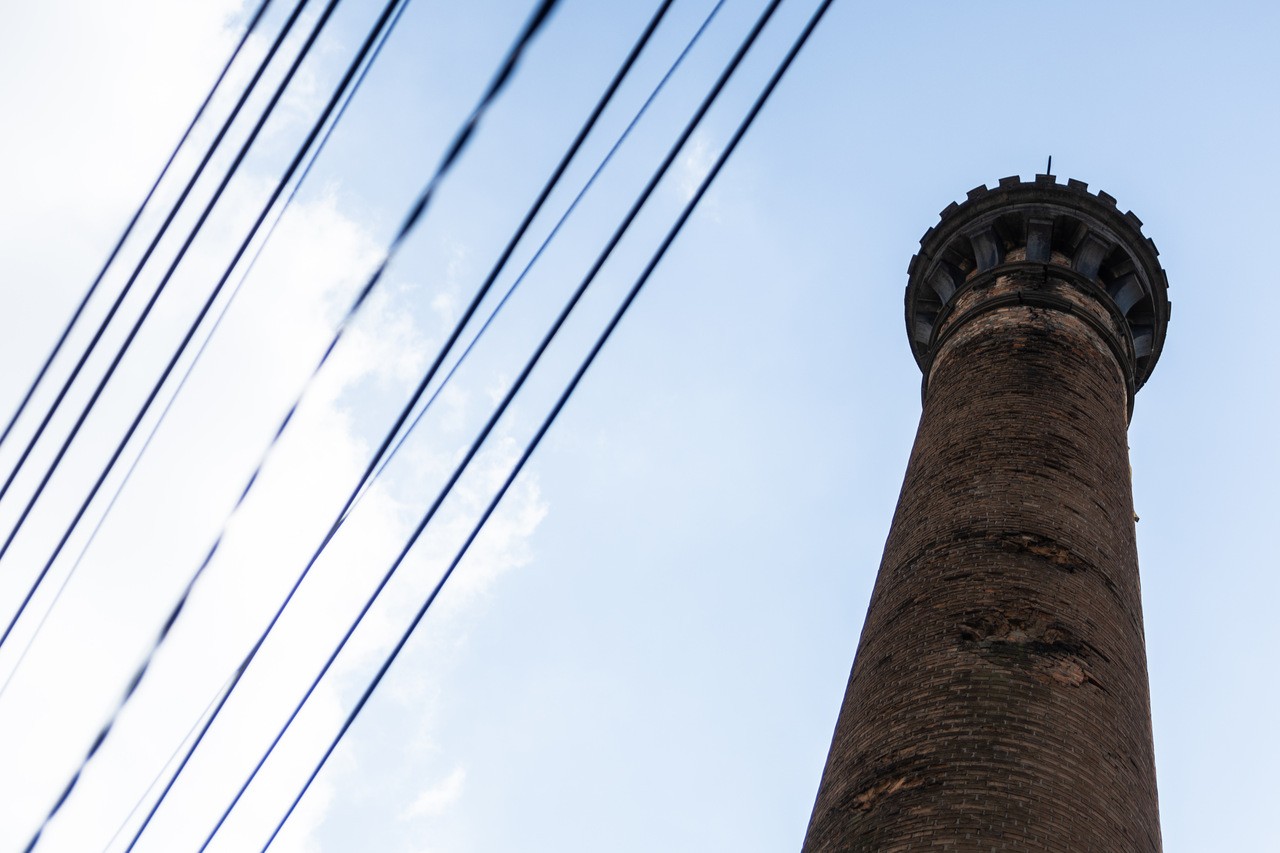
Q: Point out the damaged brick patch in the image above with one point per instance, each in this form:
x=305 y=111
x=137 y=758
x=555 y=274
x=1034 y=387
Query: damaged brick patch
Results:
x=1039 y=546
x=869 y=797
x=1054 y=653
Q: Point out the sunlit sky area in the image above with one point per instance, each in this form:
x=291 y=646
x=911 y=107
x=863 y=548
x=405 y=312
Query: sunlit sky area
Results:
x=647 y=647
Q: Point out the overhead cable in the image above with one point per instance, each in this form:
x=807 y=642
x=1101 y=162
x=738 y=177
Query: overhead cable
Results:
x=369 y=473
x=381 y=25
x=173 y=756
x=493 y=313
x=560 y=403
x=452 y=153
x=128 y=229
x=525 y=372
x=213 y=328
x=146 y=255
x=115 y=362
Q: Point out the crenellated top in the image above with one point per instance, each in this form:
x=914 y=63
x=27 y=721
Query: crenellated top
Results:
x=1041 y=221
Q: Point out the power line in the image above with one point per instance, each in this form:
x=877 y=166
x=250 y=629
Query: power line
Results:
x=527 y=370
x=240 y=156
x=797 y=45
x=128 y=229
x=115 y=362
x=346 y=81
x=452 y=153
x=235 y=291
x=173 y=212
x=369 y=474
x=173 y=756
x=527 y=267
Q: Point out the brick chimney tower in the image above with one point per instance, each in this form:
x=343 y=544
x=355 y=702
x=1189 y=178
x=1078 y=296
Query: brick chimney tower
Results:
x=999 y=698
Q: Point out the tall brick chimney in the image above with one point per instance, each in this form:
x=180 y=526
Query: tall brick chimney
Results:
x=999 y=699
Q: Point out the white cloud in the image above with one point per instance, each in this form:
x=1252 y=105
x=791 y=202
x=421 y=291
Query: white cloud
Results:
x=439 y=797
x=446 y=301
x=694 y=163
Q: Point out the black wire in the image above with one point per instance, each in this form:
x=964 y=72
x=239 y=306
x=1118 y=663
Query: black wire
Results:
x=455 y=149
x=115 y=362
x=173 y=212
x=560 y=403
x=626 y=133
x=312 y=157
x=208 y=708
x=474 y=449
x=379 y=26
x=97 y=743
x=128 y=229
x=370 y=472
x=399 y=7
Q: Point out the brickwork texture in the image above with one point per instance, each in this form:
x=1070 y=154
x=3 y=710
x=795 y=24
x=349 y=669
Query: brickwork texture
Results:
x=999 y=699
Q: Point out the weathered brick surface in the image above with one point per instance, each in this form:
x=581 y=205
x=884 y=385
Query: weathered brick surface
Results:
x=999 y=698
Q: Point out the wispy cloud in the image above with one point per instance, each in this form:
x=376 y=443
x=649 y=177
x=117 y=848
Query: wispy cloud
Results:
x=695 y=161
x=439 y=797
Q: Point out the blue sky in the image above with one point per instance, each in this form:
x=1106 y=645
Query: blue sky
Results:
x=649 y=649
